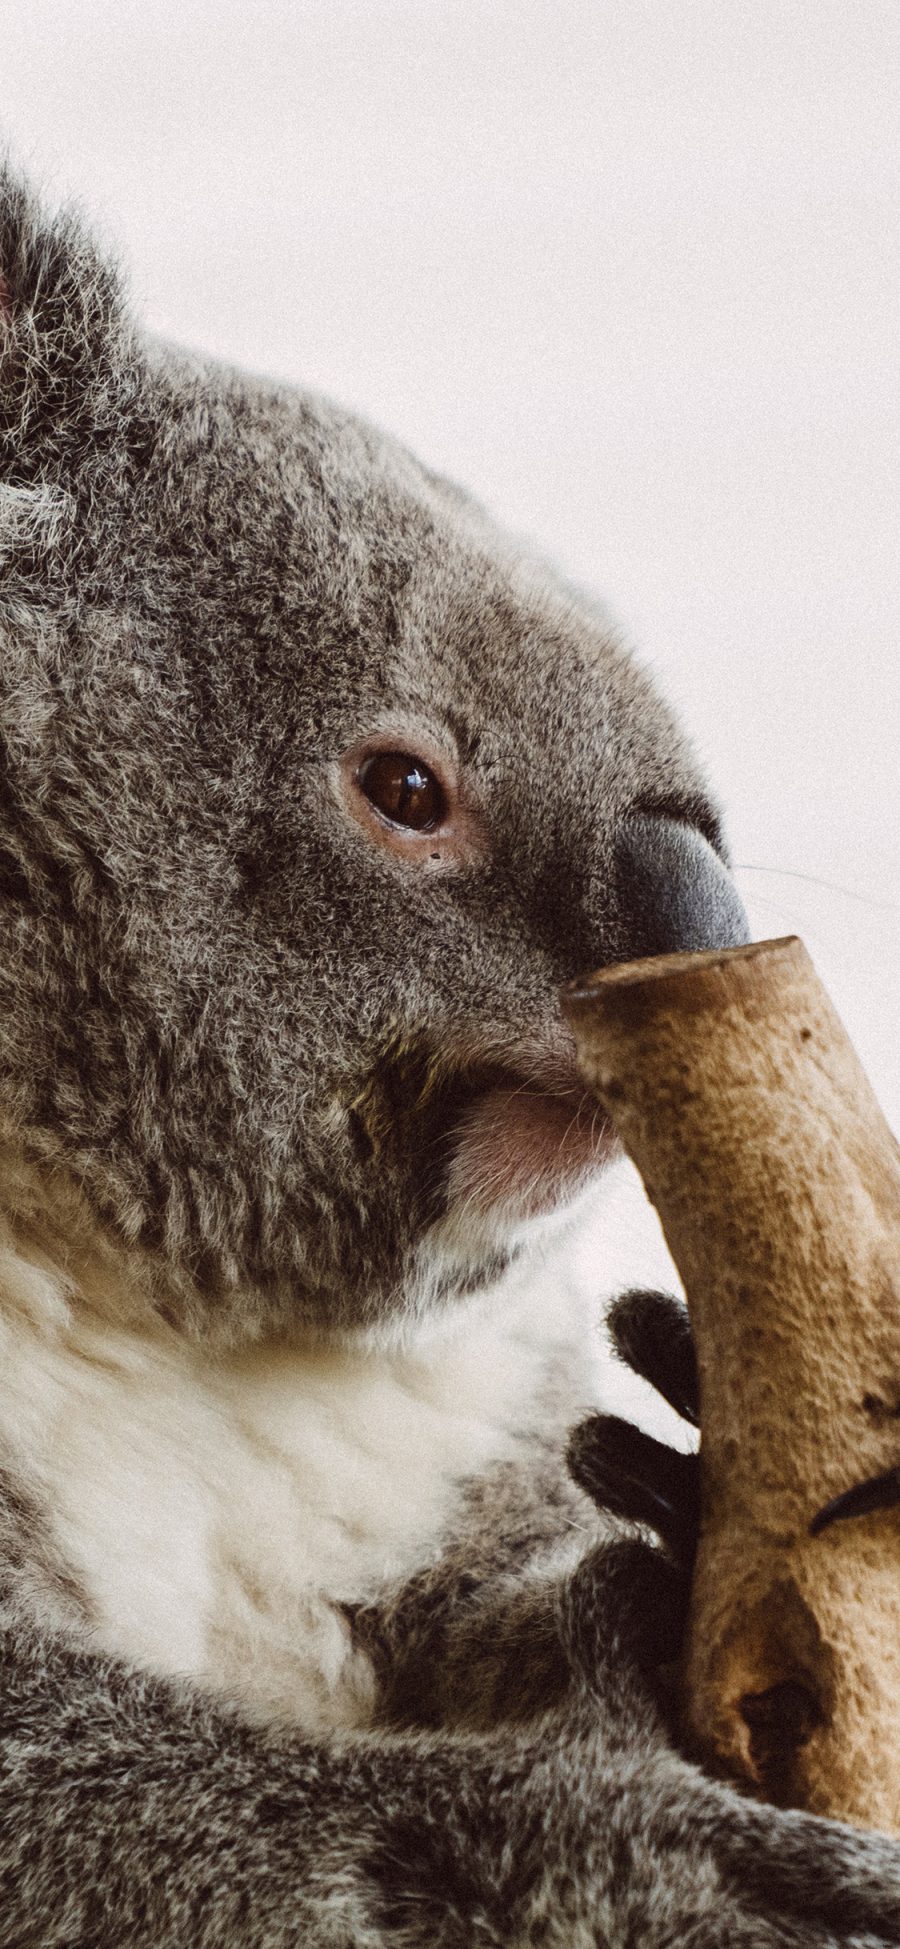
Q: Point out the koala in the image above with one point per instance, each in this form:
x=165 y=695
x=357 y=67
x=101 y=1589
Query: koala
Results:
x=333 y=1612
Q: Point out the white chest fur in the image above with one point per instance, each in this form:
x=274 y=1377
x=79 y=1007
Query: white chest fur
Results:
x=216 y=1510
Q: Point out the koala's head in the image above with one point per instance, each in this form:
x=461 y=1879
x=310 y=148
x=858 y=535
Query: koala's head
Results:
x=313 y=789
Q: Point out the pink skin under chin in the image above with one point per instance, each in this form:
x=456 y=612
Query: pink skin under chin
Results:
x=525 y=1150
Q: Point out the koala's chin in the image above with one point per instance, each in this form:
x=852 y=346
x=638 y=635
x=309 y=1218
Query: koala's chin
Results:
x=523 y=1168
x=523 y=1152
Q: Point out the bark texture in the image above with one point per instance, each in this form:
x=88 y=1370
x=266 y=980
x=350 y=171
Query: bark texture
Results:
x=777 y=1180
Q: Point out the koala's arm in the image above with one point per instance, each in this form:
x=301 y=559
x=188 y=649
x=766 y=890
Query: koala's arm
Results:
x=135 y=1814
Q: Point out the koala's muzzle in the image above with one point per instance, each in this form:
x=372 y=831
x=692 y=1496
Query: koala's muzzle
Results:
x=675 y=892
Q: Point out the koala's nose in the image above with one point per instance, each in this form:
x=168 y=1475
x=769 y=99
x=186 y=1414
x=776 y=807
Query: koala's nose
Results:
x=675 y=893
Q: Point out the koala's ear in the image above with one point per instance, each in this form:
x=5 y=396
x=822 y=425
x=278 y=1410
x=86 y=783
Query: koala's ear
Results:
x=65 y=339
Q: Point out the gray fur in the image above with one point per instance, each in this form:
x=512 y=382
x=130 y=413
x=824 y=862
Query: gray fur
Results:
x=246 y=1037
x=241 y=582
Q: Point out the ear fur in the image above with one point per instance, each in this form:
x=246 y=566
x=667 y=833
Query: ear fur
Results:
x=64 y=340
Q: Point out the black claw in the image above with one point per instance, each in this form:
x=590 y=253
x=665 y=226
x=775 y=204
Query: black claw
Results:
x=632 y=1475
x=651 y=1332
x=879 y=1492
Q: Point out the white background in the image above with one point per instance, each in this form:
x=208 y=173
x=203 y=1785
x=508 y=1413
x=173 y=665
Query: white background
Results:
x=630 y=271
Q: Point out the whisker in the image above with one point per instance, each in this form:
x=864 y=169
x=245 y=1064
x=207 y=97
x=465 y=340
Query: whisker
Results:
x=815 y=879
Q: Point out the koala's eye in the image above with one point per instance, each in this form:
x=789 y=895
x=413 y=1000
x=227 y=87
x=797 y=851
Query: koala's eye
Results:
x=419 y=810
x=403 y=790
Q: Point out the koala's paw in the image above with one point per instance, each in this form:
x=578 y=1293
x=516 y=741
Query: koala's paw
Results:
x=624 y=1608
x=625 y=1471
x=627 y=1602
x=638 y=1478
x=651 y=1332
